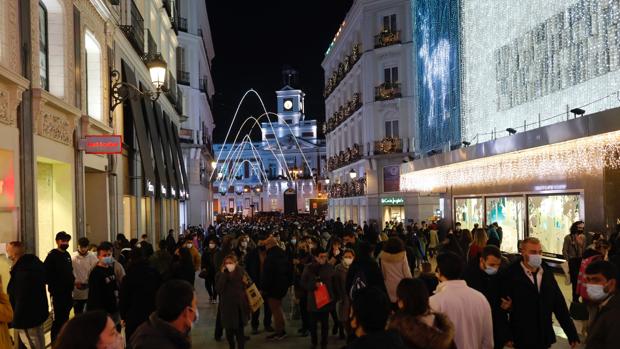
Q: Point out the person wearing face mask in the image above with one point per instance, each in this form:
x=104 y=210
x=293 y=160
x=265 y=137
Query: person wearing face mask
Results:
x=241 y=250
x=169 y=326
x=535 y=296
x=484 y=278
x=60 y=281
x=231 y=282
x=340 y=288
x=83 y=262
x=193 y=249
x=210 y=256
x=102 y=285
x=602 y=288
x=95 y=329
x=572 y=250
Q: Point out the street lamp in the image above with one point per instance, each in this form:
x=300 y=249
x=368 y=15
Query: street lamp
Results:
x=214 y=164
x=327 y=180
x=220 y=175
x=122 y=91
x=353 y=174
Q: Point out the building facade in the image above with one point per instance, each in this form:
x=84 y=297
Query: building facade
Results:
x=194 y=55
x=538 y=113
x=60 y=62
x=282 y=172
x=371 y=103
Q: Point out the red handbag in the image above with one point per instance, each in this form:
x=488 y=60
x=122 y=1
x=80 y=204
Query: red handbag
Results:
x=321 y=296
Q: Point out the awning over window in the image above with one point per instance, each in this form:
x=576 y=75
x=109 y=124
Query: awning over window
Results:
x=167 y=149
x=137 y=112
x=175 y=133
x=150 y=117
x=178 y=160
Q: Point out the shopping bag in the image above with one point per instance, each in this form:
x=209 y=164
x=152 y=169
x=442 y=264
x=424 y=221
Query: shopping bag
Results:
x=255 y=299
x=321 y=296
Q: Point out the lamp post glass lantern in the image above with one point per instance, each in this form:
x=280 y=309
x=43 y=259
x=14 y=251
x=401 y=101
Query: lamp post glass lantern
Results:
x=157 y=69
x=122 y=91
x=353 y=174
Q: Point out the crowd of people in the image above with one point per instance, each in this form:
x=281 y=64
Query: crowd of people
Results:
x=375 y=286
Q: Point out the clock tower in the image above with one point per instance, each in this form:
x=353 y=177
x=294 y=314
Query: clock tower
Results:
x=290 y=99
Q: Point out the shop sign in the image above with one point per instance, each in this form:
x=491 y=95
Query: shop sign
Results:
x=103 y=144
x=393 y=201
x=391 y=178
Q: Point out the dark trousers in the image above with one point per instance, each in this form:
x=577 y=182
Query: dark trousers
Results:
x=303 y=312
x=79 y=305
x=62 y=307
x=210 y=286
x=219 y=330
x=573 y=270
x=236 y=333
x=266 y=317
x=334 y=315
x=315 y=318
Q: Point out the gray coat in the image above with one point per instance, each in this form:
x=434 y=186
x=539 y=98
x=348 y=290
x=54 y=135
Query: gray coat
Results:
x=342 y=294
x=234 y=307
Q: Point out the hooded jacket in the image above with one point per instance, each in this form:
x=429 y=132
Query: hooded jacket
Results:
x=394 y=267
x=417 y=334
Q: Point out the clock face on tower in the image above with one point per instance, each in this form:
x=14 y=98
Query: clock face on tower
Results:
x=288 y=104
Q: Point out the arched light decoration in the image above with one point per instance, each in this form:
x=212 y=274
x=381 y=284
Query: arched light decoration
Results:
x=157 y=69
x=580 y=156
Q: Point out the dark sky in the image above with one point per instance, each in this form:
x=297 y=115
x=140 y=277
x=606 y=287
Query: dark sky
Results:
x=254 y=39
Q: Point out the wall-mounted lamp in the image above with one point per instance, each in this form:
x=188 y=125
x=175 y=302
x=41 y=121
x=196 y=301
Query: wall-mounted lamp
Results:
x=352 y=174
x=121 y=91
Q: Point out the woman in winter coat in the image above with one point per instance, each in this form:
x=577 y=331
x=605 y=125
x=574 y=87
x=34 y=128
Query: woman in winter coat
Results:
x=342 y=294
x=394 y=265
x=419 y=327
x=183 y=266
x=317 y=274
x=6 y=316
x=230 y=283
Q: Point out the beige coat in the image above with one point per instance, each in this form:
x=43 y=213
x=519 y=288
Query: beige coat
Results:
x=6 y=316
x=394 y=267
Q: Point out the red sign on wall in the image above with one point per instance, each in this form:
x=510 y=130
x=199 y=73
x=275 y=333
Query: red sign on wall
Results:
x=103 y=144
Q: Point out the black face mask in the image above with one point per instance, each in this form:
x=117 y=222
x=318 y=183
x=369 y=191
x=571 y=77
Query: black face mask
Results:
x=64 y=247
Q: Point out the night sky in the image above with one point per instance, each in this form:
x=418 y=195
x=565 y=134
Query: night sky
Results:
x=254 y=40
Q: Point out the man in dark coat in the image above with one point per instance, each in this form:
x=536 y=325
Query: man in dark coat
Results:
x=602 y=288
x=277 y=277
x=484 y=278
x=171 y=242
x=535 y=296
x=146 y=246
x=364 y=271
x=170 y=325
x=102 y=284
x=254 y=262
x=138 y=290
x=26 y=290
x=60 y=281
x=315 y=274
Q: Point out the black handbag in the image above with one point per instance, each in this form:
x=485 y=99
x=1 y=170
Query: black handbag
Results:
x=579 y=311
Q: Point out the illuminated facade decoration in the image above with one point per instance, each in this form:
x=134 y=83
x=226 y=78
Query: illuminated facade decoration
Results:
x=541 y=60
x=574 y=157
x=437 y=59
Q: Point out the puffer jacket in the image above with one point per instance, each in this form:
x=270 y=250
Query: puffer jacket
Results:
x=417 y=334
x=394 y=267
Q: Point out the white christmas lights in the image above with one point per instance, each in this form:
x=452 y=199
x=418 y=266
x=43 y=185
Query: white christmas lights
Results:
x=587 y=155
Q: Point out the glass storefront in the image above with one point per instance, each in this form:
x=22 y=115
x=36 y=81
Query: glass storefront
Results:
x=509 y=213
x=550 y=217
x=469 y=211
x=394 y=213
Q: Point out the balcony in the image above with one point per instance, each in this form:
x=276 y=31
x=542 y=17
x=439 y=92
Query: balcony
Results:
x=183 y=77
x=179 y=105
x=133 y=28
x=387 y=38
x=343 y=113
x=182 y=24
x=387 y=91
x=389 y=145
x=151 y=50
x=343 y=69
x=345 y=157
x=357 y=187
x=171 y=89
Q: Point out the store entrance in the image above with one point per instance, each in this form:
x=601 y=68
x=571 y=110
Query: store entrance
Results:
x=394 y=213
x=54 y=203
x=96 y=205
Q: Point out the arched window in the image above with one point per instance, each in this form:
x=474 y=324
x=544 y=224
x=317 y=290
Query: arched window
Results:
x=52 y=47
x=94 y=81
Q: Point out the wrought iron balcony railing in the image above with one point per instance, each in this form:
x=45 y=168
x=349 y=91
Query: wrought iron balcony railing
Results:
x=387 y=91
x=182 y=24
x=133 y=28
x=387 y=38
x=343 y=69
x=356 y=187
x=343 y=113
x=203 y=85
x=171 y=89
x=183 y=77
x=179 y=105
x=389 y=145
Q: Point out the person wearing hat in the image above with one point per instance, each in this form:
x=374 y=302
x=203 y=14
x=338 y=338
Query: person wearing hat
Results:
x=60 y=281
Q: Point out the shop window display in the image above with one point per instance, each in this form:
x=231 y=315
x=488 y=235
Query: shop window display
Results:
x=509 y=213
x=550 y=217
x=8 y=212
x=469 y=211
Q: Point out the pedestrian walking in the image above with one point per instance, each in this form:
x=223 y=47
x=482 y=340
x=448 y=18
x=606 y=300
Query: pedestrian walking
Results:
x=83 y=262
x=209 y=269
x=467 y=308
x=231 y=282
x=276 y=279
x=161 y=260
x=394 y=266
x=6 y=316
x=27 y=294
x=343 y=304
x=535 y=296
x=602 y=288
x=572 y=250
x=102 y=286
x=94 y=329
x=60 y=281
x=169 y=327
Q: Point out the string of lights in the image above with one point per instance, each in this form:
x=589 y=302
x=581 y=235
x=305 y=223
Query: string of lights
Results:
x=561 y=160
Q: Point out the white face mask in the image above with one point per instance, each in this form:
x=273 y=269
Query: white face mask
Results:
x=189 y=245
x=230 y=267
x=596 y=292
x=534 y=260
x=347 y=261
x=244 y=243
x=211 y=246
x=336 y=252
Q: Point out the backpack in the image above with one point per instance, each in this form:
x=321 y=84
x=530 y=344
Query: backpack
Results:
x=359 y=282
